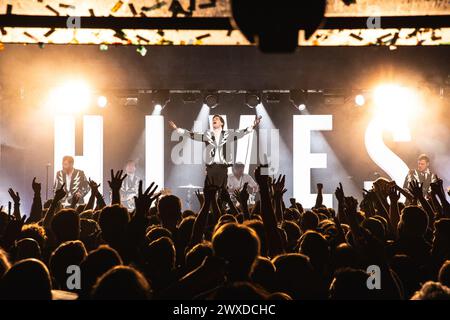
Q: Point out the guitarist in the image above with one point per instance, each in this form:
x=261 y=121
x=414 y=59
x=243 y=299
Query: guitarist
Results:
x=129 y=186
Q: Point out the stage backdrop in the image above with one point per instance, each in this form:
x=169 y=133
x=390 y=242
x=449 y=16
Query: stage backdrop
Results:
x=346 y=143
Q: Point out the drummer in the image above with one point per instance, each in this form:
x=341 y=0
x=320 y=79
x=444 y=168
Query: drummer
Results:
x=238 y=178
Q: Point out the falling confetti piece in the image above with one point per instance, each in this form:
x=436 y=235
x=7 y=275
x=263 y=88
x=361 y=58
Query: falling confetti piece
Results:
x=117 y=6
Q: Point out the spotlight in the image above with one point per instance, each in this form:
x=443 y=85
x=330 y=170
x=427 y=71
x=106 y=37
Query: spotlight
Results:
x=394 y=102
x=102 y=101
x=299 y=99
x=252 y=99
x=360 y=100
x=211 y=100
x=157 y=109
x=71 y=97
x=160 y=97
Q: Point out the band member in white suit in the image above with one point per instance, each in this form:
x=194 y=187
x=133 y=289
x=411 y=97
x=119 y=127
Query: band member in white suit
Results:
x=74 y=179
x=217 y=140
x=129 y=186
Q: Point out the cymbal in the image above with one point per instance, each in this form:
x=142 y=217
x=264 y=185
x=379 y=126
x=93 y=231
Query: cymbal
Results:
x=190 y=186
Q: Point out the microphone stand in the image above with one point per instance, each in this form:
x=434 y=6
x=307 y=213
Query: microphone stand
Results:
x=46 y=181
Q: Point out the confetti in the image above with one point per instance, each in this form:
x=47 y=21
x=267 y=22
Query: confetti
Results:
x=176 y=8
x=52 y=10
x=132 y=9
x=49 y=32
x=210 y=4
x=155 y=6
x=117 y=6
x=192 y=5
x=31 y=36
x=357 y=37
x=203 y=36
x=142 y=38
x=66 y=6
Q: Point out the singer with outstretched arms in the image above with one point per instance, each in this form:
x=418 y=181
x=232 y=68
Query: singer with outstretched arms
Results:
x=219 y=152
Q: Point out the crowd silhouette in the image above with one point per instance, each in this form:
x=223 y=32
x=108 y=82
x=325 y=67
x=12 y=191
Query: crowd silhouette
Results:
x=275 y=249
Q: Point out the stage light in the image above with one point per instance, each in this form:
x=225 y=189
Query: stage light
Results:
x=102 y=101
x=161 y=97
x=211 y=100
x=252 y=99
x=71 y=97
x=299 y=99
x=157 y=109
x=360 y=100
x=393 y=102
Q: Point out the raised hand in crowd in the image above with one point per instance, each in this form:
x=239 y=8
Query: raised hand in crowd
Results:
x=242 y=197
x=115 y=184
x=173 y=125
x=200 y=197
x=437 y=188
x=210 y=191
x=98 y=196
x=275 y=244
x=138 y=222
x=278 y=190
x=319 y=198
x=144 y=200
x=351 y=214
x=12 y=231
x=16 y=199
x=416 y=189
x=394 y=213
x=74 y=201
x=36 y=206
x=58 y=196
x=225 y=198
x=93 y=186
x=340 y=196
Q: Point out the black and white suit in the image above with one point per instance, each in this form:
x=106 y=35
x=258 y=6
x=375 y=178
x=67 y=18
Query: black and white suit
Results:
x=76 y=184
x=220 y=149
x=425 y=177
